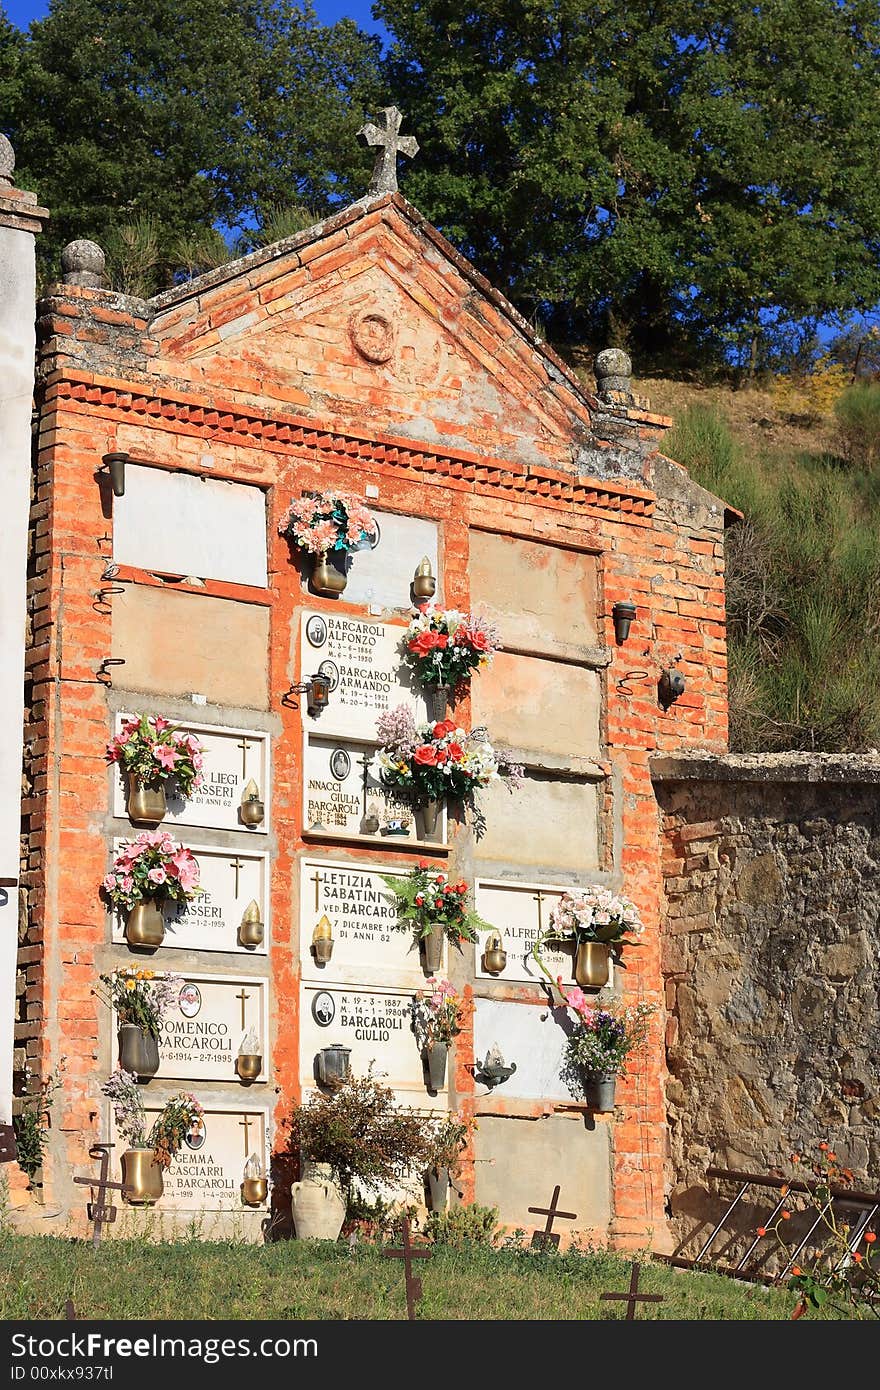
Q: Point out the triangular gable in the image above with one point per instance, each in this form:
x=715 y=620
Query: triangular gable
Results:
x=372 y=318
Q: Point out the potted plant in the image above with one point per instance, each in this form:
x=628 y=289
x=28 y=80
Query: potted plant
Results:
x=433 y=761
x=140 y=999
x=434 y=910
x=354 y=1138
x=149 y=751
x=328 y=524
x=599 y=1043
x=446 y=1145
x=599 y=923
x=148 y=1154
x=439 y=1014
x=444 y=647
x=149 y=871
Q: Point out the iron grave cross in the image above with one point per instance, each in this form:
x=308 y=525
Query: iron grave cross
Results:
x=391 y=143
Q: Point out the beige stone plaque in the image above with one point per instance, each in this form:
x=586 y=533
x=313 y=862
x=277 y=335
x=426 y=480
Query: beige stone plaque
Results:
x=374 y=1024
x=519 y=911
x=207 y=1173
x=367 y=950
x=233 y=758
x=201 y=1034
x=231 y=880
x=363 y=663
x=342 y=796
x=548 y=823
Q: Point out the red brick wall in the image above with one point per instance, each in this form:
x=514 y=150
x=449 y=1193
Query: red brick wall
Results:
x=107 y=385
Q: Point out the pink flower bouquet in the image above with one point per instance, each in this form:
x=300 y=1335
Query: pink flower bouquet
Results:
x=327 y=521
x=151 y=749
x=152 y=866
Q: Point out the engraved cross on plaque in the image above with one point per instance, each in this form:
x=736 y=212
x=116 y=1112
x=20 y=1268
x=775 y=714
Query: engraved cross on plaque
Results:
x=317 y=878
x=237 y=865
x=244 y=744
x=243 y=997
x=245 y=1122
x=539 y=899
x=391 y=143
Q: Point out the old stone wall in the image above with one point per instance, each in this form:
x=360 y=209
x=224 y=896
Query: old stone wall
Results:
x=770 y=961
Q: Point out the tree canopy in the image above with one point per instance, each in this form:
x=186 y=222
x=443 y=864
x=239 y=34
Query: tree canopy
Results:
x=195 y=114
x=692 y=178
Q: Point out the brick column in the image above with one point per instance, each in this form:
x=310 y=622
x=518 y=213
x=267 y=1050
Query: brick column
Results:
x=20 y=220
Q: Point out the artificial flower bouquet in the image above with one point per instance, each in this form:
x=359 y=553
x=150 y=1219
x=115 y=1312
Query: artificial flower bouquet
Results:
x=179 y=1116
x=595 y=914
x=328 y=521
x=151 y=749
x=438 y=759
x=152 y=866
x=438 y=1013
x=426 y=899
x=444 y=647
x=603 y=1035
x=139 y=996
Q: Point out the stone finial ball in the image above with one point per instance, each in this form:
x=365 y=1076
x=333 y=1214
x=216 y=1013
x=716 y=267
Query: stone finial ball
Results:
x=82 y=263
x=613 y=362
x=7 y=160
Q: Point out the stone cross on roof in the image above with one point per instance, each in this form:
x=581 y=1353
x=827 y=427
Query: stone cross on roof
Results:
x=387 y=136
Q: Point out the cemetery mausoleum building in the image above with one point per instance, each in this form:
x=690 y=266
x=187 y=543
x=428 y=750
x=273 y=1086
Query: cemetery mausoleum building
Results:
x=365 y=356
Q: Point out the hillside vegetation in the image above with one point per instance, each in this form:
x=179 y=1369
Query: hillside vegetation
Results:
x=800 y=460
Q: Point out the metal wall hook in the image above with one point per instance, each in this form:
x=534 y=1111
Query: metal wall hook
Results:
x=103 y=675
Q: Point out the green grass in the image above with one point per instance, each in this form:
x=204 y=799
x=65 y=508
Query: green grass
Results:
x=194 y=1280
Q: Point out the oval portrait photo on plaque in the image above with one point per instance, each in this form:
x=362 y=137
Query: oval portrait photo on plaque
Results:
x=330 y=671
x=323 y=1008
x=340 y=764
x=316 y=631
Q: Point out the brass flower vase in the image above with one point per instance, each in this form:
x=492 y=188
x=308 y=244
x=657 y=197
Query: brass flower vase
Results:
x=248 y=1065
x=254 y=1191
x=142 y=1183
x=145 y=925
x=327 y=578
x=591 y=964
x=146 y=805
x=138 y=1051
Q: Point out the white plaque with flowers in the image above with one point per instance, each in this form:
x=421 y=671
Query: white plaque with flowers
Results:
x=376 y=1025
x=520 y=913
x=226 y=762
x=344 y=797
x=362 y=662
x=369 y=944
x=230 y=881
x=207 y=1173
x=203 y=1028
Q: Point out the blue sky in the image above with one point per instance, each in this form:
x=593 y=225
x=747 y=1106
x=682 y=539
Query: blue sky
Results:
x=22 y=12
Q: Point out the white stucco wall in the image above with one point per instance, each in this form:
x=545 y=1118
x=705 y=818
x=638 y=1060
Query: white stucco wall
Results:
x=17 y=293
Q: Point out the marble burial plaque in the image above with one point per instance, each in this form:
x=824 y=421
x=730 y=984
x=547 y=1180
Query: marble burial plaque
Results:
x=518 y=911
x=231 y=880
x=201 y=1034
x=529 y=1035
x=342 y=795
x=232 y=759
x=207 y=1173
x=363 y=663
x=375 y=1024
x=361 y=911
